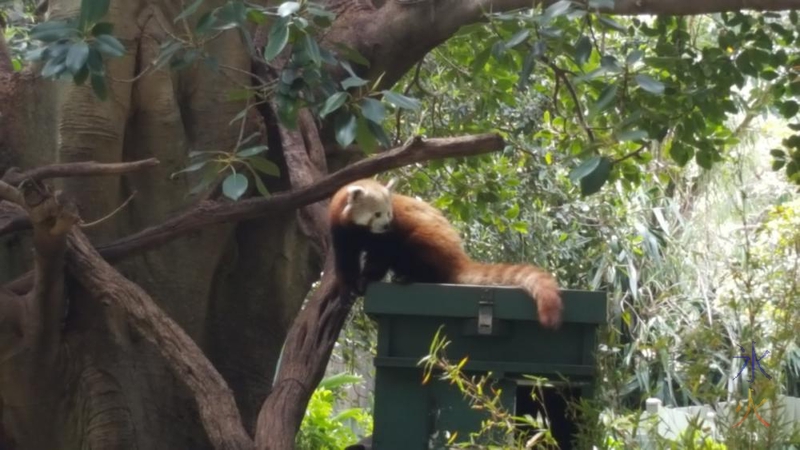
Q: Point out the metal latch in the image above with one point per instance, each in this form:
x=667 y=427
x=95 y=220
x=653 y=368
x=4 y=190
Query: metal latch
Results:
x=486 y=311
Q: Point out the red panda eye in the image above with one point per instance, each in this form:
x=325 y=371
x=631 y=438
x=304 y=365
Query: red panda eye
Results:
x=377 y=214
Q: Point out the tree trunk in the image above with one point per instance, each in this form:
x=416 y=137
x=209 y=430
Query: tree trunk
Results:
x=234 y=288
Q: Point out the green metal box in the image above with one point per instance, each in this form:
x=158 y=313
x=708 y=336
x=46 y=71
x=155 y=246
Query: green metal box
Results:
x=495 y=326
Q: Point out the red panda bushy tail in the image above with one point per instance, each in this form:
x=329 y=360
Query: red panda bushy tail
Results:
x=540 y=285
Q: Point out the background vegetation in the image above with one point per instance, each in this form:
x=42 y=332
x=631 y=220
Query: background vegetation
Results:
x=696 y=261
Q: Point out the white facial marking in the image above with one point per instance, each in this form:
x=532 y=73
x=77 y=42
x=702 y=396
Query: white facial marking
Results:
x=370 y=208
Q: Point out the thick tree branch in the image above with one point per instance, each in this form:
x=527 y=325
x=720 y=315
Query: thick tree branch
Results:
x=79 y=169
x=303 y=173
x=216 y=405
x=209 y=213
x=638 y=7
x=399 y=34
x=52 y=219
x=308 y=348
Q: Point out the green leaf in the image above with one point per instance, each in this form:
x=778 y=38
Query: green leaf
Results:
x=632 y=135
x=77 y=56
x=633 y=57
x=353 y=82
x=611 y=23
x=583 y=49
x=513 y=212
x=251 y=151
x=256 y=16
x=288 y=8
x=95 y=61
x=520 y=227
x=373 y=110
x=364 y=136
x=53 y=67
x=352 y=55
x=205 y=23
x=191 y=9
x=191 y=168
x=778 y=164
x=518 y=38
x=333 y=103
x=234 y=186
x=264 y=166
x=380 y=134
x=102 y=28
x=778 y=153
x=704 y=159
x=558 y=8
x=584 y=168
x=338 y=380
x=99 y=86
x=53 y=31
x=312 y=48
x=607 y=95
x=288 y=108
x=649 y=84
x=788 y=109
x=595 y=179
x=346 y=126
x=401 y=101
x=92 y=11
x=278 y=37
x=481 y=59
x=208 y=177
x=109 y=45
x=681 y=153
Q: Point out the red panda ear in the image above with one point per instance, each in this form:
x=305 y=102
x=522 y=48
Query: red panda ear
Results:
x=391 y=183
x=354 y=192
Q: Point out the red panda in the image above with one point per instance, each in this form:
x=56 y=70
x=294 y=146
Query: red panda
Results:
x=414 y=241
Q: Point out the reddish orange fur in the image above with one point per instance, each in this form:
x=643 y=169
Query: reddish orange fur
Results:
x=423 y=247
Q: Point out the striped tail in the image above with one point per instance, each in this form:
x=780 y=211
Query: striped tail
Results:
x=540 y=285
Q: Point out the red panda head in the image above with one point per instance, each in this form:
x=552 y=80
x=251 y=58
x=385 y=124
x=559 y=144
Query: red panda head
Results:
x=369 y=204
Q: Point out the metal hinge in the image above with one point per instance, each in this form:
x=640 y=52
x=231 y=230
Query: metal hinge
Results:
x=486 y=311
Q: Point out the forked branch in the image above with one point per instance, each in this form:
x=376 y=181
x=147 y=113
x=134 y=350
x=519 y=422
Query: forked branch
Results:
x=215 y=401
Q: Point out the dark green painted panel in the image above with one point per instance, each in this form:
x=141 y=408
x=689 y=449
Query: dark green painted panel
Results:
x=462 y=301
x=407 y=413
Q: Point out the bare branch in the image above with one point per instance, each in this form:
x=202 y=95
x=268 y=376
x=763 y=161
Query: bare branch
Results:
x=209 y=213
x=79 y=169
x=216 y=404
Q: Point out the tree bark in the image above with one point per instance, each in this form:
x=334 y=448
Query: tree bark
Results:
x=225 y=280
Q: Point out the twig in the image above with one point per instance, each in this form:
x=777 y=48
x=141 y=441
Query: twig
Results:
x=562 y=74
x=109 y=215
x=631 y=154
x=78 y=169
x=414 y=81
